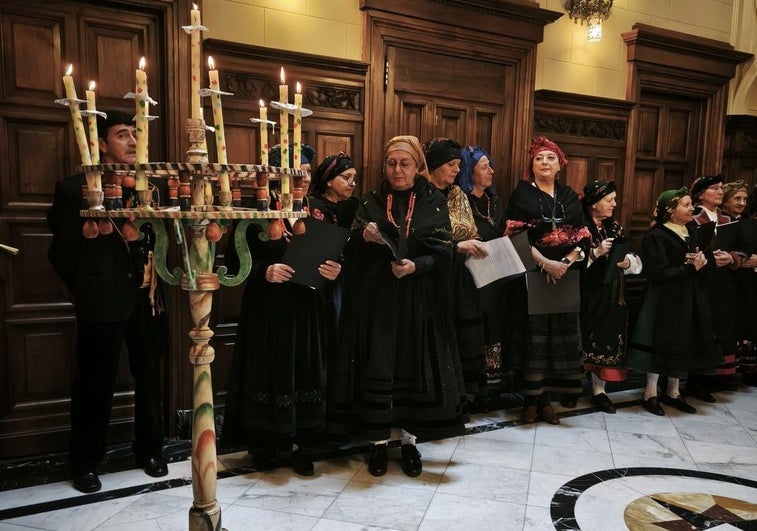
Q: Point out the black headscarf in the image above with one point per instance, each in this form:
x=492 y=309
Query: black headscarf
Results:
x=332 y=166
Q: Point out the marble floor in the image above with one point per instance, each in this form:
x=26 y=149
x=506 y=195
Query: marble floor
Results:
x=592 y=472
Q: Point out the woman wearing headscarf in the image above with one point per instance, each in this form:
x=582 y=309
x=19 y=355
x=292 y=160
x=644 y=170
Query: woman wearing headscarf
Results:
x=546 y=346
x=604 y=313
x=475 y=179
x=286 y=334
x=333 y=183
x=707 y=196
x=735 y=197
x=443 y=161
x=399 y=369
x=673 y=333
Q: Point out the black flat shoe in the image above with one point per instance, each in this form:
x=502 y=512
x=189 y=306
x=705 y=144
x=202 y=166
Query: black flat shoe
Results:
x=302 y=465
x=569 y=401
x=603 y=403
x=702 y=395
x=87 y=482
x=377 y=462
x=264 y=460
x=411 y=460
x=154 y=466
x=652 y=405
x=679 y=403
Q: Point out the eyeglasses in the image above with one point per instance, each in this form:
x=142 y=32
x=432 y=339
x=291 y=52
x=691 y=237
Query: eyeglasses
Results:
x=404 y=164
x=351 y=179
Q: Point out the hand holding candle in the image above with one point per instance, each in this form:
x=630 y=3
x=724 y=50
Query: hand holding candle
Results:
x=215 y=97
x=297 y=134
x=142 y=124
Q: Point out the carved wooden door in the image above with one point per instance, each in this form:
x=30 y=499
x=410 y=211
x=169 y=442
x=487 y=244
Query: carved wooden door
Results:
x=667 y=135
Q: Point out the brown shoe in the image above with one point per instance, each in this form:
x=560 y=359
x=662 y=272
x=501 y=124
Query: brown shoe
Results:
x=529 y=414
x=549 y=415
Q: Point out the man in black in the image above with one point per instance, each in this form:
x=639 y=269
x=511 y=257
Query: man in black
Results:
x=105 y=275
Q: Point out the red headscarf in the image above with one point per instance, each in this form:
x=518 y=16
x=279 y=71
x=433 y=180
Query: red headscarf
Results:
x=539 y=144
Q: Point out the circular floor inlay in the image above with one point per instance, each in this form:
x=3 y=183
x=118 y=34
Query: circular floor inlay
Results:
x=688 y=510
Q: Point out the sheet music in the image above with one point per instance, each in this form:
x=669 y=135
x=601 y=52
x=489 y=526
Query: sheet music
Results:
x=502 y=262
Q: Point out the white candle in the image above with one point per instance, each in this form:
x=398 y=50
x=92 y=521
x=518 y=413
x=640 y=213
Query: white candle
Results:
x=218 y=124
x=263 y=134
x=297 y=134
x=142 y=124
x=284 y=128
x=81 y=136
x=94 y=148
x=195 y=61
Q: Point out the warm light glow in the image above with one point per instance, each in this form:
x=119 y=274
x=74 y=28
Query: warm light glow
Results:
x=142 y=63
x=194 y=7
x=595 y=31
x=211 y=63
x=282 y=76
x=299 y=88
x=262 y=103
x=69 y=70
x=91 y=85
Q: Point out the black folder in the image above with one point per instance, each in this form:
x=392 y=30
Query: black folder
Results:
x=305 y=252
x=618 y=251
x=701 y=237
x=544 y=297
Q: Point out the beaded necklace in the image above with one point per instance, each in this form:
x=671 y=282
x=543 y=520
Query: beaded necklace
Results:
x=408 y=216
x=488 y=217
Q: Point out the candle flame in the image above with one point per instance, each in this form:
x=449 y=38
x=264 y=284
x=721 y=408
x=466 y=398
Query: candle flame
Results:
x=211 y=63
x=194 y=6
x=282 y=76
x=69 y=70
x=262 y=103
x=299 y=88
x=142 y=63
x=91 y=85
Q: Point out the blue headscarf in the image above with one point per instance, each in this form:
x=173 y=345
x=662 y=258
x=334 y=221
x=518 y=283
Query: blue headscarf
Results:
x=307 y=154
x=469 y=157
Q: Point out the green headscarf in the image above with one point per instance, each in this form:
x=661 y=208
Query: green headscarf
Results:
x=667 y=203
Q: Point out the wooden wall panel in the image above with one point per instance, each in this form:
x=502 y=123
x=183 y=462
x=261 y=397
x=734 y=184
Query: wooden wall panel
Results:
x=647 y=131
x=38 y=286
x=740 y=158
x=678 y=138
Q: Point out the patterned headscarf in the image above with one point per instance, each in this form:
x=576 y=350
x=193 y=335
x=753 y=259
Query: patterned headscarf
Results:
x=440 y=151
x=332 y=166
x=409 y=144
x=703 y=183
x=307 y=155
x=729 y=189
x=469 y=157
x=596 y=190
x=666 y=204
x=539 y=144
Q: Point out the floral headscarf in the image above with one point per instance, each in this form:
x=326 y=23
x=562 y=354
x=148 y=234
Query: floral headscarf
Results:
x=538 y=144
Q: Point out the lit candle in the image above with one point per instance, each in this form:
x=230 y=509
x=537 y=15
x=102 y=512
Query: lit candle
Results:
x=195 y=61
x=284 y=128
x=94 y=148
x=297 y=134
x=73 y=105
x=263 y=134
x=215 y=97
x=142 y=124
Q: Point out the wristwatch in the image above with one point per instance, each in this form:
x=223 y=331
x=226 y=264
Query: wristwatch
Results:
x=565 y=260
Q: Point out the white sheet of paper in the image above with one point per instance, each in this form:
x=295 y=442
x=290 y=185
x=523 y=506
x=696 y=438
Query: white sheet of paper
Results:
x=502 y=261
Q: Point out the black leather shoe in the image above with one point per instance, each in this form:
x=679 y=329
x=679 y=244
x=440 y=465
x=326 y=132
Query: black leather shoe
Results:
x=87 y=482
x=264 y=459
x=679 y=403
x=652 y=405
x=569 y=401
x=603 y=403
x=377 y=463
x=302 y=464
x=154 y=466
x=411 y=460
x=701 y=394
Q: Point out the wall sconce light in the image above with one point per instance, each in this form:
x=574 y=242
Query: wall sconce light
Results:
x=591 y=12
